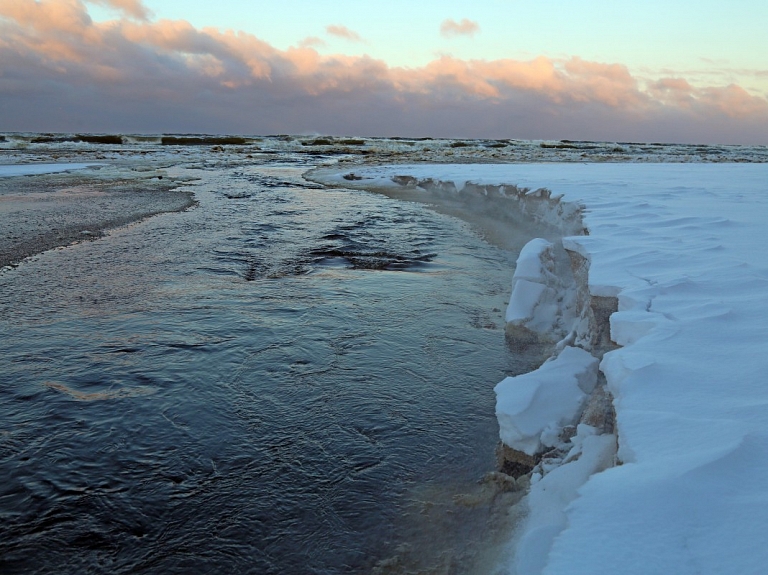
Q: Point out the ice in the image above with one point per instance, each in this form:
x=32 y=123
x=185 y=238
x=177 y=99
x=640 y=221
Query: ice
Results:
x=528 y=300
x=533 y=408
x=682 y=248
x=534 y=261
x=536 y=290
x=37 y=169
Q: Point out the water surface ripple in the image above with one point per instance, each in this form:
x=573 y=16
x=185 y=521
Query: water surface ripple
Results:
x=286 y=379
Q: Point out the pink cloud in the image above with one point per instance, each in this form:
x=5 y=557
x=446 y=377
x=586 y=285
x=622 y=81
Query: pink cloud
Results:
x=450 y=28
x=343 y=32
x=132 y=8
x=610 y=84
x=676 y=92
x=312 y=42
x=733 y=101
x=61 y=70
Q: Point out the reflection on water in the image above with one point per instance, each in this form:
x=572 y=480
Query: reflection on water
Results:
x=286 y=379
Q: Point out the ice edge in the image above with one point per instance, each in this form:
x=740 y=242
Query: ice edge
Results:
x=556 y=423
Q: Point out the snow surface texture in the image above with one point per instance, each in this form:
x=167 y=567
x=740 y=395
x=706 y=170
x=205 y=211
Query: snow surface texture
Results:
x=682 y=246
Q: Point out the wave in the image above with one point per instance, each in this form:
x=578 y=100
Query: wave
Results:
x=397 y=149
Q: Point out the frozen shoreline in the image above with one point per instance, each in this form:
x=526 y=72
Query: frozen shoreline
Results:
x=679 y=246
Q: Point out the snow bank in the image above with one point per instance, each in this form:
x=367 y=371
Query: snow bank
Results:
x=533 y=408
x=682 y=247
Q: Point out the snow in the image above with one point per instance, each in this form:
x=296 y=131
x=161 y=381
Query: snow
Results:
x=541 y=303
x=37 y=169
x=549 y=497
x=533 y=302
x=533 y=408
x=683 y=248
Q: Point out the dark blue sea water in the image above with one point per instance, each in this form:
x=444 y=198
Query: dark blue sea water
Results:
x=285 y=379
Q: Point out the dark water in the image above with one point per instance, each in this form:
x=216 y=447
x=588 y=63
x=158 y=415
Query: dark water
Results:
x=286 y=379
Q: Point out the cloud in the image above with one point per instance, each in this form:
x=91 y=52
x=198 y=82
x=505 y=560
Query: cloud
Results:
x=343 y=32
x=132 y=8
x=62 y=71
x=312 y=42
x=450 y=28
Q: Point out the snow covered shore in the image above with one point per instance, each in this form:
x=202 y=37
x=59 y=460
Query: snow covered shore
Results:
x=682 y=248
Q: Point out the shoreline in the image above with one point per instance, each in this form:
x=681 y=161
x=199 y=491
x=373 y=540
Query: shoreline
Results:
x=489 y=208
x=542 y=216
x=671 y=275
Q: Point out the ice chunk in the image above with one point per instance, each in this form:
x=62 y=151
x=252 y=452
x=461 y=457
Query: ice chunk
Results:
x=535 y=261
x=536 y=301
x=533 y=408
x=526 y=298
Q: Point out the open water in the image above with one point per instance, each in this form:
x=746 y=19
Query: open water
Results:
x=284 y=379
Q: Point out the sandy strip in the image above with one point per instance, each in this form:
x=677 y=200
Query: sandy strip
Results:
x=47 y=210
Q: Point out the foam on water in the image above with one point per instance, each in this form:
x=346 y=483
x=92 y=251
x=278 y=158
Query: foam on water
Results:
x=391 y=150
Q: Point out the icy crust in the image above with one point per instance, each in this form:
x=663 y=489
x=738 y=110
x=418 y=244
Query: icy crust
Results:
x=533 y=408
x=682 y=248
x=536 y=204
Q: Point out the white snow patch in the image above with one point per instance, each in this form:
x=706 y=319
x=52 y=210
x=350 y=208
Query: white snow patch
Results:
x=550 y=496
x=533 y=408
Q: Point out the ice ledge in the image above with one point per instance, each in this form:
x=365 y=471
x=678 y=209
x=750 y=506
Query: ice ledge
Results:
x=533 y=408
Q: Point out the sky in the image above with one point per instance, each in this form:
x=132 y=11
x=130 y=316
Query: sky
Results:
x=674 y=71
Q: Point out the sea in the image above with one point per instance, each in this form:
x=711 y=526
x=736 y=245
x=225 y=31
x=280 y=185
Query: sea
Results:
x=281 y=378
